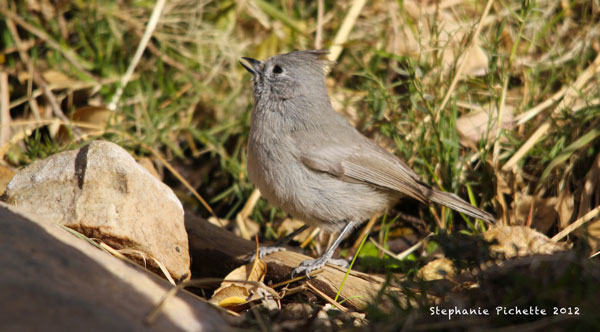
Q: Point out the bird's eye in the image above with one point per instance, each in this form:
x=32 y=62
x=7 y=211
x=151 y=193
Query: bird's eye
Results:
x=277 y=69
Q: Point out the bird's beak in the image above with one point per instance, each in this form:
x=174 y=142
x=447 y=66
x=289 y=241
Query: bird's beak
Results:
x=254 y=67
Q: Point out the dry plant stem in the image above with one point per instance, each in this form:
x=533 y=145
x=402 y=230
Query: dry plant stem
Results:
x=43 y=36
x=179 y=93
x=570 y=91
x=566 y=94
x=298 y=278
x=325 y=297
x=165 y=58
x=381 y=248
x=21 y=134
x=535 y=137
x=73 y=87
x=23 y=54
x=365 y=230
x=342 y=35
x=309 y=239
x=120 y=254
x=496 y=151
x=578 y=223
x=524 y=117
x=4 y=109
x=463 y=62
x=589 y=187
x=156 y=12
x=319 y=32
x=410 y=250
x=291 y=291
x=38 y=79
x=27 y=44
x=175 y=173
x=240 y=219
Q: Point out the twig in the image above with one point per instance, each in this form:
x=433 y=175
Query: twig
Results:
x=51 y=98
x=310 y=237
x=403 y=254
x=342 y=35
x=326 y=297
x=300 y=277
x=53 y=86
x=20 y=47
x=36 y=76
x=176 y=174
x=240 y=219
x=499 y=122
x=4 y=109
x=578 y=223
x=537 y=135
x=319 y=32
x=156 y=12
x=71 y=57
x=365 y=230
x=165 y=57
x=592 y=180
x=567 y=92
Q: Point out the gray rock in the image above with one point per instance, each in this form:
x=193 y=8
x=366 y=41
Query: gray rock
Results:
x=51 y=280
x=100 y=191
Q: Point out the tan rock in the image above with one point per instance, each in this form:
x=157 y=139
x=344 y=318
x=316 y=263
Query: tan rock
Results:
x=100 y=191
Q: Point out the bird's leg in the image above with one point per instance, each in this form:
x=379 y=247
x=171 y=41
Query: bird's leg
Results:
x=310 y=265
x=277 y=246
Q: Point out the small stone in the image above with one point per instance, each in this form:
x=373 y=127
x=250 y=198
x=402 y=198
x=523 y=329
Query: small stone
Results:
x=100 y=191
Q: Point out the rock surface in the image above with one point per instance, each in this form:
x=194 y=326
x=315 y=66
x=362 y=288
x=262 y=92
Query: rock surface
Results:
x=100 y=191
x=52 y=281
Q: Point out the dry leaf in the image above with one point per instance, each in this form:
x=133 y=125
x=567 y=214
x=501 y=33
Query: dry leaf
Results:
x=92 y=119
x=236 y=295
x=474 y=126
x=6 y=174
x=440 y=268
x=513 y=241
x=544 y=212
x=55 y=79
x=230 y=295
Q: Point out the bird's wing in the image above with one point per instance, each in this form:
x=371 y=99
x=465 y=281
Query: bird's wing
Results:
x=363 y=161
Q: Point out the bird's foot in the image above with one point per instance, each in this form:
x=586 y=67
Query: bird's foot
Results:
x=264 y=251
x=310 y=265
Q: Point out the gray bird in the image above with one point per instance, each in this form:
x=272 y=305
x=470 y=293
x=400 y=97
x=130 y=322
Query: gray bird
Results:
x=311 y=162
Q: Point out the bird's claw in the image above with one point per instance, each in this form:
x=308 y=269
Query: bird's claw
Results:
x=311 y=265
x=264 y=251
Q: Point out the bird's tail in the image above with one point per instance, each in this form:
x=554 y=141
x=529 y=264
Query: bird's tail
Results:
x=458 y=204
